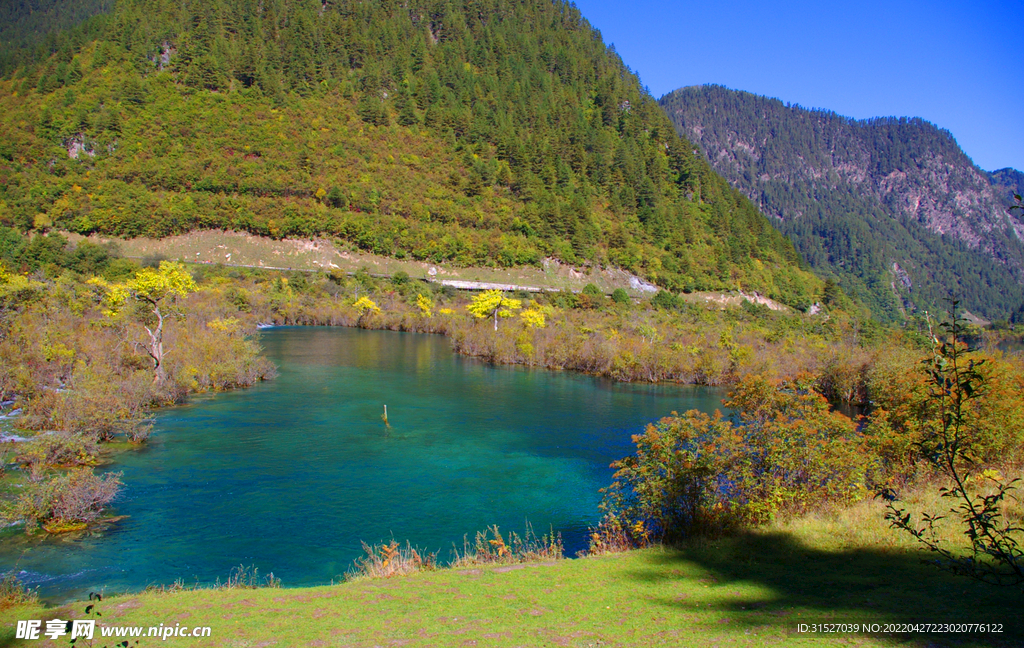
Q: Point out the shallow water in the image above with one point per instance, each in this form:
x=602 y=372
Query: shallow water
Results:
x=291 y=475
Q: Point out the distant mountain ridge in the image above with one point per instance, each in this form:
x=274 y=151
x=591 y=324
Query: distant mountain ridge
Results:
x=1008 y=181
x=893 y=207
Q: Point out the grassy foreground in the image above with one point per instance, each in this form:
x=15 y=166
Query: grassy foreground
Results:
x=749 y=590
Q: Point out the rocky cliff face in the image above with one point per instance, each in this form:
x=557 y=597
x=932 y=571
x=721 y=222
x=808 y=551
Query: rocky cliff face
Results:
x=902 y=179
x=1007 y=182
x=950 y=197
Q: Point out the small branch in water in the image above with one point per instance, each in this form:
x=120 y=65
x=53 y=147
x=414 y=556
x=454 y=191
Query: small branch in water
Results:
x=385 y=417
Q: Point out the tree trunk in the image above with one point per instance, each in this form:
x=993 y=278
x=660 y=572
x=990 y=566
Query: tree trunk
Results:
x=156 y=349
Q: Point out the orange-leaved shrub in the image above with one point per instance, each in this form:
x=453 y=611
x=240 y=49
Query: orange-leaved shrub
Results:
x=783 y=450
x=905 y=413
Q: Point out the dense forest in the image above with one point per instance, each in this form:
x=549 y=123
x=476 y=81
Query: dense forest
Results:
x=33 y=29
x=473 y=132
x=891 y=208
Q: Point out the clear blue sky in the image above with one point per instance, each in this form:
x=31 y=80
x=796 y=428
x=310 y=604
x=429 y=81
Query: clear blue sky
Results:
x=960 y=65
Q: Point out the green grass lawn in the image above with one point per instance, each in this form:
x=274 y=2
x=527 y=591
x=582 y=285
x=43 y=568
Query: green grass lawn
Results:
x=749 y=590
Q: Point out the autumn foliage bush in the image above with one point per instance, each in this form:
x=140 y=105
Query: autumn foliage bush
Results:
x=783 y=451
x=14 y=593
x=83 y=375
x=905 y=413
x=58 y=450
x=955 y=443
x=390 y=559
x=76 y=369
x=69 y=501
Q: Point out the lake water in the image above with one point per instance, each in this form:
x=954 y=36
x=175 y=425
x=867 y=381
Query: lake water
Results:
x=291 y=475
x=1011 y=346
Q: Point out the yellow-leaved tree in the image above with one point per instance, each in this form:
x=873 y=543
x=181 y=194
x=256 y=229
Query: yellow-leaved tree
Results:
x=426 y=305
x=15 y=291
x=157 y=290
x=493 y=303
x=366 y=305
x=533 y=315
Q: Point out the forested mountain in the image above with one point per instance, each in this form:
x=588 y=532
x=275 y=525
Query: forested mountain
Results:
x=34 y=29
x=474 y=131
x=1008 y=182
x=891 y=207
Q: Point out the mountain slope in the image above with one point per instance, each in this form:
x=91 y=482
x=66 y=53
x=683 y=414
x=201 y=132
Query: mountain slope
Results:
x=892 y=207
x=474 y=131
x=30 y=29
x=1007 y=182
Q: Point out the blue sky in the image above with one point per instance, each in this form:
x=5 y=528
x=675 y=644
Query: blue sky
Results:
x=960 y=65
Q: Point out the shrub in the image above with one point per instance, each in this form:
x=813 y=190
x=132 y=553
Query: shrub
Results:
x=613 y=536
x=13 y=593
x=565 y=299
x=906 y=413
x=391 y=559
x=620 y=296
x=58 y=449
x=842 y=376
x=65 y=502
x=957 y=380
x=590 y=290
x=363 y=278
x=701 y=474
x=665 y=300
x=104 y=405
x=516 y=549
x=243 y=577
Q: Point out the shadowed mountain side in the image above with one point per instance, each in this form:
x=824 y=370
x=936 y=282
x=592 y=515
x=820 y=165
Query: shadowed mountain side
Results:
x=791 y=583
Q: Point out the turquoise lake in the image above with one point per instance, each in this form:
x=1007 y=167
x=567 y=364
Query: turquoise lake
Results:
x=292 y=475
